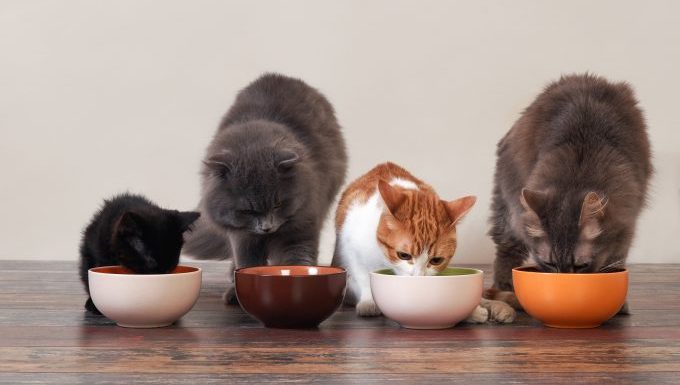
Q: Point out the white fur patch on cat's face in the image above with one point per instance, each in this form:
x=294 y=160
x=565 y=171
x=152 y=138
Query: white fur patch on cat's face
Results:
x=418 y=266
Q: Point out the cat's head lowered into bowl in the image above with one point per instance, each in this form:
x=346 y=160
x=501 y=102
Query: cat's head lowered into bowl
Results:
x=570 y=232
x=417 y=232
x=253 y=178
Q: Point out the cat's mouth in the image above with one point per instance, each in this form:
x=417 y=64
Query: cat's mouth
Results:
x=264 y=230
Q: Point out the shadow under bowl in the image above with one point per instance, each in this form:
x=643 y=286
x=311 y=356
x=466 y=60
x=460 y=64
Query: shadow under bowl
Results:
x=144 y=300
x=570 y=300
x=291 y=297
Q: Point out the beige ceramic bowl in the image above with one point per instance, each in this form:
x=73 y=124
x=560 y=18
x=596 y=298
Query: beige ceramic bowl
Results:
x=144 y=300
x=428 y=302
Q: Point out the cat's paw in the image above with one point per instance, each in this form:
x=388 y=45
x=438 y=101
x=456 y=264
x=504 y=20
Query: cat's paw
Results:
x=479 y=316
x=499 y=311
x=625 y=310
x=231 y=266
x=368 y=308
x=89 y=306
x=229 y=296
x=508 y=297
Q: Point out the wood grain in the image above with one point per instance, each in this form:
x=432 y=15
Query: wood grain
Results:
x=46 y=337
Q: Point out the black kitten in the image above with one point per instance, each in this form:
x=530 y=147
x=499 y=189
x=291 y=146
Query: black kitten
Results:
x=133 y=232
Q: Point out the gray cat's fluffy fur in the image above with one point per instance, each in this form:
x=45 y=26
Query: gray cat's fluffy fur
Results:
x=269 y=177
x=571 y=179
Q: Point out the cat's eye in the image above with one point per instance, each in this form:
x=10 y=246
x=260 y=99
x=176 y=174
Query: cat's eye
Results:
x=219 y=170
x=404 y=256
x=436 y=261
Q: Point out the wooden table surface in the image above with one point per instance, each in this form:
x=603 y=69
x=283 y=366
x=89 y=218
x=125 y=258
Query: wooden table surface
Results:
x=46 y=337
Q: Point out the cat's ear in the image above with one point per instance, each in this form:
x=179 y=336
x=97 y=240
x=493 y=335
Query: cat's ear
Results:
x=392 y=197
x=285 y=160
x=533 y=200
x=128 y=230
x=129 y=224
x=221 y=163
x=592 y=210
x=187 y=218
x=459 y=207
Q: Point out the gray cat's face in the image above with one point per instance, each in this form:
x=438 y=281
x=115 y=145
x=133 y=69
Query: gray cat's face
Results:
x=565 y=234
x=254 y=194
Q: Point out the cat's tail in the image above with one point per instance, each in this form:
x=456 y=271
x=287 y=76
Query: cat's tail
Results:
x=203 y=242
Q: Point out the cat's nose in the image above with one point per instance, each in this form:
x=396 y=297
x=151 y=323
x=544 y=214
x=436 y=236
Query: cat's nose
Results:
x=265 y=225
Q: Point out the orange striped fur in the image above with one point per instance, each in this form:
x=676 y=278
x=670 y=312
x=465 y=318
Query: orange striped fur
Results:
x=415 y=222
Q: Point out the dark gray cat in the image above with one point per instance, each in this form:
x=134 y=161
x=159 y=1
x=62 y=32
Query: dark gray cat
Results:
x=571 y=179
x=270 y=175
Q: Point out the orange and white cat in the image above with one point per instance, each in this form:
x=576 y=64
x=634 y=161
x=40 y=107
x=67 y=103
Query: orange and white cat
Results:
x=389 y=218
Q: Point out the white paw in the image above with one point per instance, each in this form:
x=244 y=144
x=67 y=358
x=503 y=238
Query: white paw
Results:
x=229 y=296
x=499 y=311
x=230 y=272
x=367 y=308
x=479 y=316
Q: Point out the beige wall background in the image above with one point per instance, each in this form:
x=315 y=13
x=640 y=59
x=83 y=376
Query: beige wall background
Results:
x=99 y=97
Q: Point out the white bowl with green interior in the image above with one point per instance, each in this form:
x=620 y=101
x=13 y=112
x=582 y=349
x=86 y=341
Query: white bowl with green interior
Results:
x=428 y=302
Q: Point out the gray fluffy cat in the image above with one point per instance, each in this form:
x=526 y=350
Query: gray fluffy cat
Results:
x=571 y=179
x=269 y=177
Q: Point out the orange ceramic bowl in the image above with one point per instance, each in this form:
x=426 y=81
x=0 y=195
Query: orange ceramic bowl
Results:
x=564 y=300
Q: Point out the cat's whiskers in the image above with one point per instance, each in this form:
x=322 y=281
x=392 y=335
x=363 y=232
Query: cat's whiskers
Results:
x=616 y=265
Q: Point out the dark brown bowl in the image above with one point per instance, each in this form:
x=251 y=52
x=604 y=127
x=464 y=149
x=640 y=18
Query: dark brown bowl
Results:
x=291 y=296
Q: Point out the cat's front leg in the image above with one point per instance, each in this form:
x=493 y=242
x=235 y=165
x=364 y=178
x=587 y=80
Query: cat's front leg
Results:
x=509 y=254
x=300 y=250
x=508 y=297
x=248 y=251
x=229 y=296
x=365 y=306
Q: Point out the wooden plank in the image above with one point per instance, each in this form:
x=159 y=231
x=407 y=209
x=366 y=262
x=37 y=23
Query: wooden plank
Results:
x=656 y=378
x=45 y=336
x=113 y=337
x=567 y=356
x=221 y=316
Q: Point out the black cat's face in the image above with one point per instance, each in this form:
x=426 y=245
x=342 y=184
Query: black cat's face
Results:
x=254 y=194
x=565 y=234
x=151 y=241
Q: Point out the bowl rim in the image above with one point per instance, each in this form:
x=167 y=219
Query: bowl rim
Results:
x=474 y=272
x=523 y=270
x=244 y=271
x=94 y=270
